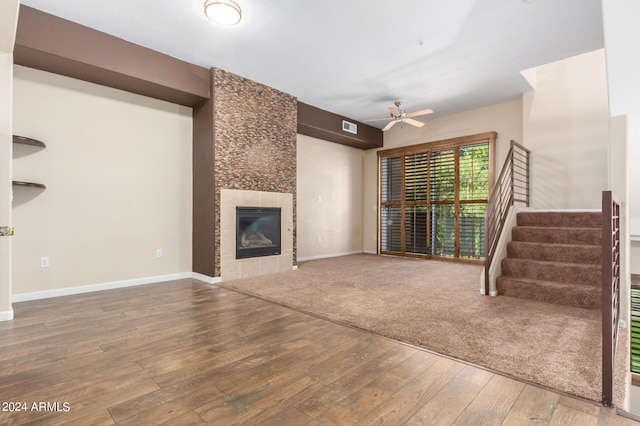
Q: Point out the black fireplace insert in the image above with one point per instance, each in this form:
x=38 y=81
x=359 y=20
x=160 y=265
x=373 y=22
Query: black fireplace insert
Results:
x=257 y=232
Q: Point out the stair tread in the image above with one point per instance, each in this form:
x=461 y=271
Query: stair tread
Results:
x=558 y=293
x=555 y=245
x=587 y=274
x=560 y=218
x=570 y=228
x=588 y=254
x=548 y=283
x=553 y=263
x=559 y=235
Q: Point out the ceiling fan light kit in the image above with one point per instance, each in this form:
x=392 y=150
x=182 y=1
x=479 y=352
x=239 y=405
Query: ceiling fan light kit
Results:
x=398 y=115
x=223 y=12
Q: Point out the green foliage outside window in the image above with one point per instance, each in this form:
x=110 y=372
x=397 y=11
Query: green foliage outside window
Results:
x=635 y=330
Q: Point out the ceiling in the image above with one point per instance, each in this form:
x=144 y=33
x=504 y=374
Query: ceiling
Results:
x=355 y=58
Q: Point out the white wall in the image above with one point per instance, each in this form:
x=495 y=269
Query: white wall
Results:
x=118 y=172
x=622 y=43
x=566 y=127
x=632 y=202
x=504 y=118
x=329 y=199
x=634 y=257
x=632 y=114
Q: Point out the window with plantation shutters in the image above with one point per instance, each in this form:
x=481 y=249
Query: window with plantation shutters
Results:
x=635 y=329
x=416 y=187
x=433 y=197
x=443 y=183
x=390 y=199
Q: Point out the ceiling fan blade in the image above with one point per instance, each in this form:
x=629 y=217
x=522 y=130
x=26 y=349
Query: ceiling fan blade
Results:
x=414 y=122
x=388 y=126
x=421 y=112
x=376 y=119
x=394 y=110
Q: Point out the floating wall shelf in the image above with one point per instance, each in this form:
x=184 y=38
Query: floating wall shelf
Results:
x=22 y=140
x=31 y=184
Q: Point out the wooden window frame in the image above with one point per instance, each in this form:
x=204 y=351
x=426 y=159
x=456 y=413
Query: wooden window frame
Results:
x=452 y=143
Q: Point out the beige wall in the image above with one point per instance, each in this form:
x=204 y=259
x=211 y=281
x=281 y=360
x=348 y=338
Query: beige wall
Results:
x=566 y=127
x=118 y=172
x=329 y=198
x=504 y=118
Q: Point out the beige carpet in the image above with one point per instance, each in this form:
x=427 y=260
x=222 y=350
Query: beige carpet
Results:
x=437 y=305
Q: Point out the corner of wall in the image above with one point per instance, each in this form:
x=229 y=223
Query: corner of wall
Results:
x=6 y=175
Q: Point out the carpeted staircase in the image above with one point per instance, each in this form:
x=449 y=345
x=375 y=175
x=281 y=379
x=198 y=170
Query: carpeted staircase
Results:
x=555 y=257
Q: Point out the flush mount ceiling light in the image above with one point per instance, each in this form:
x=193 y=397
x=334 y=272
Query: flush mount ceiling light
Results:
x=223 y=12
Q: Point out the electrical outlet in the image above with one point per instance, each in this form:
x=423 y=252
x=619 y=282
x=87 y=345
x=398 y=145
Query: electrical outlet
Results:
x=44 y=262
x=158 y=252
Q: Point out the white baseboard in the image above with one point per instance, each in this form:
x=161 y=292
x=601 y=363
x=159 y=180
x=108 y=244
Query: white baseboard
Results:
x=370 y=252
x=325 y=256
x=46 y=294
x=206 y=278
x=6 y=315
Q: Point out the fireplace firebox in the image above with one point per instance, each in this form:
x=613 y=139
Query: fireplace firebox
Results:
x=257 y=232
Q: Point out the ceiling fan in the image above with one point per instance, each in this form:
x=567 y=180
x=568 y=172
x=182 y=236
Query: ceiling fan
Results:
x=401 y=116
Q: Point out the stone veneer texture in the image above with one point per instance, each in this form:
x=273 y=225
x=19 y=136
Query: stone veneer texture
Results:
x=255 y=142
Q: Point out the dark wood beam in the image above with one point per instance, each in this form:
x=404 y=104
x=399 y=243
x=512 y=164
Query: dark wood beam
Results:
x=203 y=242
x=53 y=44
x=321 y=124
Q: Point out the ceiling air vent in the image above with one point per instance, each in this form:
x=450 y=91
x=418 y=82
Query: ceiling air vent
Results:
x=350 y=127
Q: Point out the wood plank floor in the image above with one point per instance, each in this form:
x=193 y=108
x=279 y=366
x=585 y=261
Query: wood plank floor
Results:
x=185 y=352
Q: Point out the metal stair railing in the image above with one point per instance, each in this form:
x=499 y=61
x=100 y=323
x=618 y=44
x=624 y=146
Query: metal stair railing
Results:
x=610 y=290
x=511 y=186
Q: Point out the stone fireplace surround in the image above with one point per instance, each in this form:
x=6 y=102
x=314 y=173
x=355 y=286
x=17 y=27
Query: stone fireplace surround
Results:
x=254 y=165
x=232 y=268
